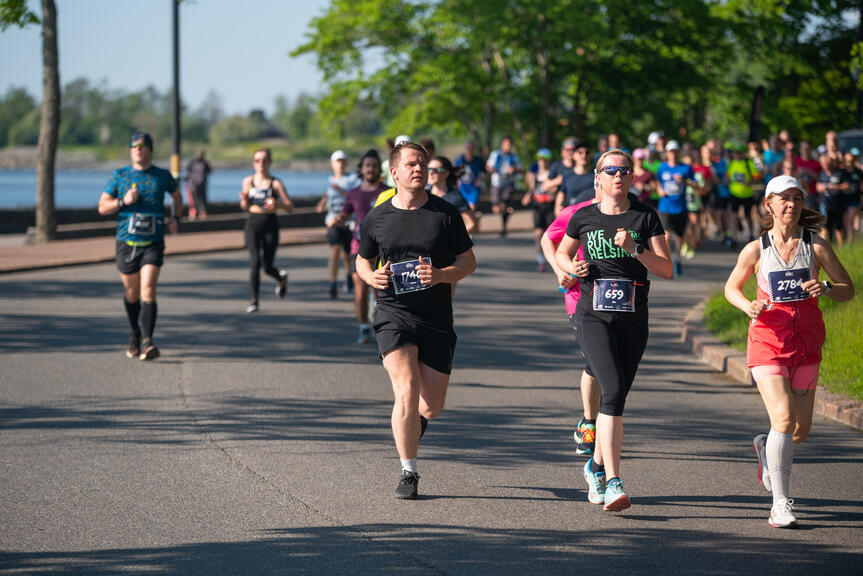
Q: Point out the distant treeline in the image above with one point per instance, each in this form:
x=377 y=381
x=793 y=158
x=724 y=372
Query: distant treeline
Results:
x=98 y=115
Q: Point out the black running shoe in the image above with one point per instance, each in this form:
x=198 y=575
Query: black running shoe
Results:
x=148 y=350
x=407 y=488
x=282 y=288
x=134 y=348
x=334 y=291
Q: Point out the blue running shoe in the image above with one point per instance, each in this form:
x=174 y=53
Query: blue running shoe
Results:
x=615 y=498
x=595 y=484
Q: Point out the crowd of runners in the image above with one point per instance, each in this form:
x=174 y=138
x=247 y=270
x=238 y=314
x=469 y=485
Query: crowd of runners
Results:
x=605 y=217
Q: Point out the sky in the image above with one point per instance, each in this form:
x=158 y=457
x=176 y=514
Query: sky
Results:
x=238 y=48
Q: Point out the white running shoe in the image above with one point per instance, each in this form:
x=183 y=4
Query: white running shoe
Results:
x=781 y=515
x=760 y=444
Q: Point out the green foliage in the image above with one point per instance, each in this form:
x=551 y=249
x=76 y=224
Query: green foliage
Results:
x=841 y=369
x=14 y=106
x=15 y=13
x=235 y=129
x=25 y=132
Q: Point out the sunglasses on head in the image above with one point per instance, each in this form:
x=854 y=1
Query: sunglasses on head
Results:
x=613 y=170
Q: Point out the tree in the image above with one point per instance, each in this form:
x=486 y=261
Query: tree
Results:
x=15 y=12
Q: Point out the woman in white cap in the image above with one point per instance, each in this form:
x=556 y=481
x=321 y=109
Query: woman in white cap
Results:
x=339 y=237
x=786 y=331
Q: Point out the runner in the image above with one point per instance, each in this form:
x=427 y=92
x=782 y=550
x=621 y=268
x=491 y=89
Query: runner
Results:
x=673 y=177
x=425 y=248
x=473 y=179
x=136 y=194
x=543 y=202
x=503 y=165
x=358 y=203
x=786 y=332
x=623 y=240
x=742 y=176
x=571 y=178
x=444 y=179
x=833 y=185
x=643 y=180
x=585 y=430
x=339 y=237
x=262 y=193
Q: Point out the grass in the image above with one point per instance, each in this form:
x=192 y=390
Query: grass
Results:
x=842 y=363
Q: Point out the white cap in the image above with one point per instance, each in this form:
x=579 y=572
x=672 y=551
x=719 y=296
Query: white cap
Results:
x=401 y=139
x=338 y=155
x=779 y=184
x=672 y=145
x=654 y=137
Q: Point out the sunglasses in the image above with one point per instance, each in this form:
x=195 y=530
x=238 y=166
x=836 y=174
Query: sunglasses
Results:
x=613 y=170
x=139 y=146
x=438 y=170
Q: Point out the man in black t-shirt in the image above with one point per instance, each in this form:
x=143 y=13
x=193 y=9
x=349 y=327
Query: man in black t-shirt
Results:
x=422 y=243
x=571 y=178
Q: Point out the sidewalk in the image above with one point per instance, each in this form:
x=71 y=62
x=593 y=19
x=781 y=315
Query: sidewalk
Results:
x=15 y=257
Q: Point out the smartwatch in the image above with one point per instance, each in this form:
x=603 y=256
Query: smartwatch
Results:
x=639 y=249
x=120 y=203
x=828 y=286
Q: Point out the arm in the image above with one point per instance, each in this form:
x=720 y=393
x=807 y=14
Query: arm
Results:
x=530 y=184
x=322 y=204
x=566 y=252
x=548 y=249
x=465 y=264
x=378 y=278
x=749 y=257
x=558 y=201
x=284 y=201
x=843 y=287
x=110 y=205
x=552 y=184
x=657 y=259
x=177 y=210
x=244 y=193
x=469 y=221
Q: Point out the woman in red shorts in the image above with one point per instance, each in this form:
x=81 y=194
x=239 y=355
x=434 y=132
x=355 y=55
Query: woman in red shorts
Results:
x=786 y=331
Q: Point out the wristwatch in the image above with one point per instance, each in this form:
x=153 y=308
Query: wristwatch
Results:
x=828 y=286
x=639 y=249
x=120 y=202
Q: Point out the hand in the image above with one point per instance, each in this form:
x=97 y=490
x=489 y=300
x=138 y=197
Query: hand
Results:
x=381 y=277
x=131 y=195
x=815 y=288
x=174 y=225
x=678 y=177
x=581 y=267
x=270 y=204
x=757 y=307
x=429 y=275
x=622 y=239
x=566 y=280
x=525 y=200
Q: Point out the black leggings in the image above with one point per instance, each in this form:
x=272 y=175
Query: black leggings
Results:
x=262 y=237
x=613 y=350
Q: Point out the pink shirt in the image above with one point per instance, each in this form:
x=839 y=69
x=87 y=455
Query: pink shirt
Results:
x=556 y=231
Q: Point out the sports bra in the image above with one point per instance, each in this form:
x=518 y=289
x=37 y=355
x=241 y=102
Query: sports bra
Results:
x=259 y=196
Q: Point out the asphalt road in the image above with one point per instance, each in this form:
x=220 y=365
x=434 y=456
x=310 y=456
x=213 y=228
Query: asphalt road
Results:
x=260 y=444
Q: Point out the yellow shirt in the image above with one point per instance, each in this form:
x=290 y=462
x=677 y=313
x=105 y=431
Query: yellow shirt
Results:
x=385 y=195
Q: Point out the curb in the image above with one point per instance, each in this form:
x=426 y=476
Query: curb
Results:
x=732 y=362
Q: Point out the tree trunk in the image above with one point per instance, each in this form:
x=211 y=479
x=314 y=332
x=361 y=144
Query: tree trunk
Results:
x=46 y=216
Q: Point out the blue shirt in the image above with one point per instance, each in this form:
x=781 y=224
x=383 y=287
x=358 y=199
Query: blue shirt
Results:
x=721 y=169
x=674 y=200
x=144 y=221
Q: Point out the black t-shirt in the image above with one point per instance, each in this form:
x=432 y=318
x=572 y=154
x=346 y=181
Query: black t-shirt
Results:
x=576 y=187
x=596 y=231
x=838 y=176
x=434 y=230
x=455 y=198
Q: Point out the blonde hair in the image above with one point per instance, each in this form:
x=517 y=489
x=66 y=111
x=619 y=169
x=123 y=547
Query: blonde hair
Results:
x=616 y=152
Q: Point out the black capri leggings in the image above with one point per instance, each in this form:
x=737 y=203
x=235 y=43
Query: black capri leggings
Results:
x=262 y=238
x=613 y=350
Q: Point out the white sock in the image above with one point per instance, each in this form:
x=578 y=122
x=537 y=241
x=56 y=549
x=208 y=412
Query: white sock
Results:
x=780 y=456
x=410 y=464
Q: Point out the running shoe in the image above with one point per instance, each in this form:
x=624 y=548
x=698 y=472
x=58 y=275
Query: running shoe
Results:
x=334 y=291
x=585 y=437
x=678 y=268
x=134 y=348
x=148 y=350
x=252 y=307
x=407 y=488
x=760 y=444
x=595 y=484
x=365 y=334
x=349 y=284
x=615 y=498
x=541 y=267
x=781 y=515
x=282 y=287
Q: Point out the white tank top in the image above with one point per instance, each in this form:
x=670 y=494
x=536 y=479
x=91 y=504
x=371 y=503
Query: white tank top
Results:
x=783 y=282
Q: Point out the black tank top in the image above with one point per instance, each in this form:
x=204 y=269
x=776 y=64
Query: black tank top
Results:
x=259 y=196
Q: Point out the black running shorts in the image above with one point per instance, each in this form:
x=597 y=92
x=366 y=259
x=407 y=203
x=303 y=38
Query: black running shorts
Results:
x=130 y=259
x=436 y=352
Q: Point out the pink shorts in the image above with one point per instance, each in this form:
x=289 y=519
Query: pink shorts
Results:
x=801 y=377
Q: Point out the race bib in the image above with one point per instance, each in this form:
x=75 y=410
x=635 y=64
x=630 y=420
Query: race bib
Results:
x=787 y=285
x=673 y=188
x=614 y=295
x=142 y=224
x=405 y=278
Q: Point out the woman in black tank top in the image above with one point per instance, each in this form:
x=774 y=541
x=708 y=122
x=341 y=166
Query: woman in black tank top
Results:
x=261 y=195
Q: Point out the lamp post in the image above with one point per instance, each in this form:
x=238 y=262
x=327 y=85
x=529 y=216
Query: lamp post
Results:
x=175 y=131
